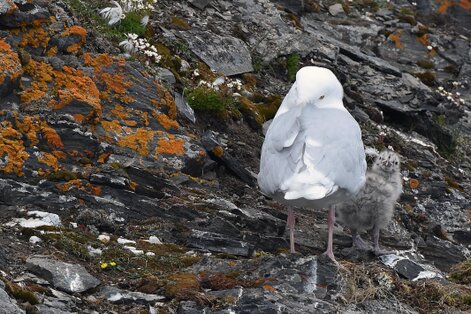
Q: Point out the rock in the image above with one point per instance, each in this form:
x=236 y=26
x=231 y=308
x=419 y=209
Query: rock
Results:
x=17 y=18
x=9 y=305
x=218 y=243
x=295 y=6
x=184 y=108
x=34 y=240
x=217 y=152
x=336 y=9
x=443 y=253
x=200 y=4
x=119 y=296
x=64 y=276
x=10 y=68
x=224 y=54
x=40 y=219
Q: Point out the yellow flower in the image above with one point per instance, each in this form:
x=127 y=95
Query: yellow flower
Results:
x=104 y=265
x=113 y=264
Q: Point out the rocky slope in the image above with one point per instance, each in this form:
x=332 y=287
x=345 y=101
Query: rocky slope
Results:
x=115 y=196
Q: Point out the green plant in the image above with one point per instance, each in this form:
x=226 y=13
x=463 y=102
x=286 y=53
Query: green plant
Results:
x=202 y=98
x=131 y=24
x=292 y=66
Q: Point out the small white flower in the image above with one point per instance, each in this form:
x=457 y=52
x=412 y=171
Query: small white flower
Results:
x=113 y=14
x=440 y=88
x=429 y=47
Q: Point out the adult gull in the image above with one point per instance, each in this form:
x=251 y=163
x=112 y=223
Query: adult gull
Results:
x=313 y=155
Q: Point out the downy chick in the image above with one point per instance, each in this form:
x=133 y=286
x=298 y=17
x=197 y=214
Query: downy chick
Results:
x=373 y=207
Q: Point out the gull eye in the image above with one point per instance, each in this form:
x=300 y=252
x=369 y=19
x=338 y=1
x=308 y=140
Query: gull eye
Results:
x=322 y=97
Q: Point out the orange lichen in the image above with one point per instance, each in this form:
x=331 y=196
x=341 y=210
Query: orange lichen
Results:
x=78 y=184
x=74 y=85
x=59 y=154
x=52 y=51
x=76 y=30
x=396 y=38
x=138 y=141
x=98 y=62
x=269 y=288
x=133 y=185
x=51 y=136
x=173 y=146
x=10 y=64
x=218 y=151
x=49 y=160
x=111 y=126
x=12 y=150
x=165 y=121
x=35 y=37
x=103 y=158
x=423 y=40
x=30 y=95
x=446 y=4
x=414 y=183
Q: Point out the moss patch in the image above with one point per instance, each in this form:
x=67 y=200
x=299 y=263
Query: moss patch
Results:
x=202 y=98
x=292 y=66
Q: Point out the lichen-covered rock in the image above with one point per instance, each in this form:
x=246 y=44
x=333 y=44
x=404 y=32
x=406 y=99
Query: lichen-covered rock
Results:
x=10 y=68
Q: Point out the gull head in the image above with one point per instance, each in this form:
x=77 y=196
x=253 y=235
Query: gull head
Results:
x=387 y=161
x=318 y=86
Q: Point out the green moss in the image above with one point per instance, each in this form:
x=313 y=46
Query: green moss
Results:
x=63 y=175
x=131 y=24
x=440 y=119
x=453 y=184
x=202 y=98
x=425 y=64
x=258 y=64
x=251 y=113
x=179 y=23
x=292 y=66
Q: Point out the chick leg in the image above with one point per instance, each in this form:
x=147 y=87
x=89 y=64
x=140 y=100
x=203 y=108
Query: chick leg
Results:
x=358 y=242
x=291 y=222
x=330 y=237
x=377 y=250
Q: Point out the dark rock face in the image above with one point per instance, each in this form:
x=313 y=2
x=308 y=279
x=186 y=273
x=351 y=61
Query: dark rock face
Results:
x=107 y=171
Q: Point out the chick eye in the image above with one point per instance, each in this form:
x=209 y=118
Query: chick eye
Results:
x=322 y=97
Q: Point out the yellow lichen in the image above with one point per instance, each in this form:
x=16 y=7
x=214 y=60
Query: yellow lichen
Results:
x=35 y=37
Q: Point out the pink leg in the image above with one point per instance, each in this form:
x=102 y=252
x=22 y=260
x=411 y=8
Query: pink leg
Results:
x=290 y=222
x=330 y=239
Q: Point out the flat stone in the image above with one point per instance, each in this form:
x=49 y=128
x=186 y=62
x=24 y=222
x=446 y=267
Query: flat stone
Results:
x=70 y=278
x=336 y=9
x=200 y=4
x=116 y=295
x=295 y=6
x=226 y=55
x=216 y=242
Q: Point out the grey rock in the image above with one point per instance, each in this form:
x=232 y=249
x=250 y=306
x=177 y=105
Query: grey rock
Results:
x=224 y=54
x=443 y=253
x=210 y=143
x=70 y=278
x=295 y=6
x=336 y=9
x=184 y=108
x=218 y=243
x=18 y=18
x=166 y=75
x=408 y=269
x=200 y=4
x=8 y=305
x=116 y=295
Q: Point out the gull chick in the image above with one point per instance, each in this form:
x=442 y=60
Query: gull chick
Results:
x=313 y=155
x=373 y=207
